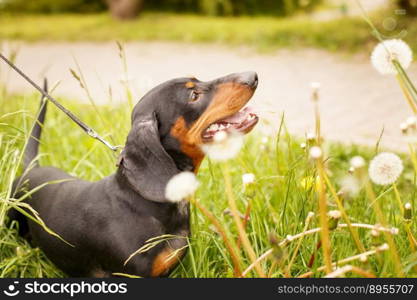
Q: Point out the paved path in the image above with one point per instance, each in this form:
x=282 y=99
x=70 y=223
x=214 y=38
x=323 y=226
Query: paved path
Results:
x=356 y=101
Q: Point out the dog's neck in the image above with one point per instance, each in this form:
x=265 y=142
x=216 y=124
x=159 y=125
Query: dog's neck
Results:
x=184 y=162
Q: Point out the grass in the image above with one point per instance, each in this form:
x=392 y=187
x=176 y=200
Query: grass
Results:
x=262 y=33
x=285 y=191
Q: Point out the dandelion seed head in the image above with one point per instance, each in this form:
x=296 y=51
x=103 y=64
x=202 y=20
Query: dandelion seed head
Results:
x=181 y=186
x=404 y=127
x=394 y=230
x=303 y=145
x=388 y=50
x=383 y=247
x=350 y=185
x=316 y=152
x=220 y=136
x=375 y=232
x=407 y=206
x=357 y=162
x=411 y=121
x=315 y=85
x=311 y=215
x=334 y=214
x=248 y=178
x=363 y=258
x=224 y=146
x=385 y=168
x=310 y=136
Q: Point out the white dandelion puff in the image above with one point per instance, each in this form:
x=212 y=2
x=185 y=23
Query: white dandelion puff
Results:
x=357 y=162
x=224 y=146
x=385 y=168
x=311 y=214
x=289 y=237
x=404 y=127
x=220 y=136
x=350 y=185
x=383 y=247
x=316 y=152
x=310 y=136
x=394 y=231
x=181 y=186
x=315 y=85
x=248 y=178
x=375 y=232
x=363 y=258
x=411 y=121
x=407 y=206
x=334 y=214
x=385 y=52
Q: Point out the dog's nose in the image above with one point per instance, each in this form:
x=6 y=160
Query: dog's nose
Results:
x=248 y=78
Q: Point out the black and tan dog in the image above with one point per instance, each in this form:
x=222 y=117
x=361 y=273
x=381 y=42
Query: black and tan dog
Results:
x=108 y=220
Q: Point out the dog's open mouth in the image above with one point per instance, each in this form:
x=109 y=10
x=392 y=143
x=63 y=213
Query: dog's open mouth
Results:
x=241 y=122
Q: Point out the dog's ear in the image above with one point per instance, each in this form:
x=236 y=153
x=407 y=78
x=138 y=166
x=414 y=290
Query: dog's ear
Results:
x=145 y=163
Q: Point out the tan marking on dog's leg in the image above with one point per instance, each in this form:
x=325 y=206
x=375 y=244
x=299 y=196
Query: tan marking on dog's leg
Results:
x=164 y=261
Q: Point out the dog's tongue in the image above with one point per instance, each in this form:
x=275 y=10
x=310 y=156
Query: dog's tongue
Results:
x=240 y=116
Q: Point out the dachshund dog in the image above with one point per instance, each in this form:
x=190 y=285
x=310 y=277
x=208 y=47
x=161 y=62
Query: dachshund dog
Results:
x=108 y=220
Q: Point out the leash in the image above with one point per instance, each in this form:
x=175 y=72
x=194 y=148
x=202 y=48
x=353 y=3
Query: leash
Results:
x=91 y=132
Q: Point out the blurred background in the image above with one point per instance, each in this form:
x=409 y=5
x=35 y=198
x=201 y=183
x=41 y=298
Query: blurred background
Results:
x=114 y=44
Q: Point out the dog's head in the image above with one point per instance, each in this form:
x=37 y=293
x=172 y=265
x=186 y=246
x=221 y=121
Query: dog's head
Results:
x=173 y=121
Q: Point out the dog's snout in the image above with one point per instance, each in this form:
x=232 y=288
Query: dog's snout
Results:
x=248 y=78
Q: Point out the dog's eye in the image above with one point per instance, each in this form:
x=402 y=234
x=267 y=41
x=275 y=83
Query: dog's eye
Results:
x=194 y=96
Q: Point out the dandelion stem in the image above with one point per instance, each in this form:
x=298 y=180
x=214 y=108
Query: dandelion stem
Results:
x=410 y=235
x=318 y=122
x=411 y=238
x=307 y=223
x=228 y=243
x=347 y=260
x=406 y=93
x=345 y=217
x=381 y=219
x=323 y=218
x=346 y=269
x=398 y=198
x=241 y=230
x=406 y=78
x=315 y=230
x=413 y=156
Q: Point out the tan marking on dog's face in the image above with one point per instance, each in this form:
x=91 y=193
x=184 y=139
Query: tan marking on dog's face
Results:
x=230 y=97
x=190 y=85
x=165 y=261
x=187 y=146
